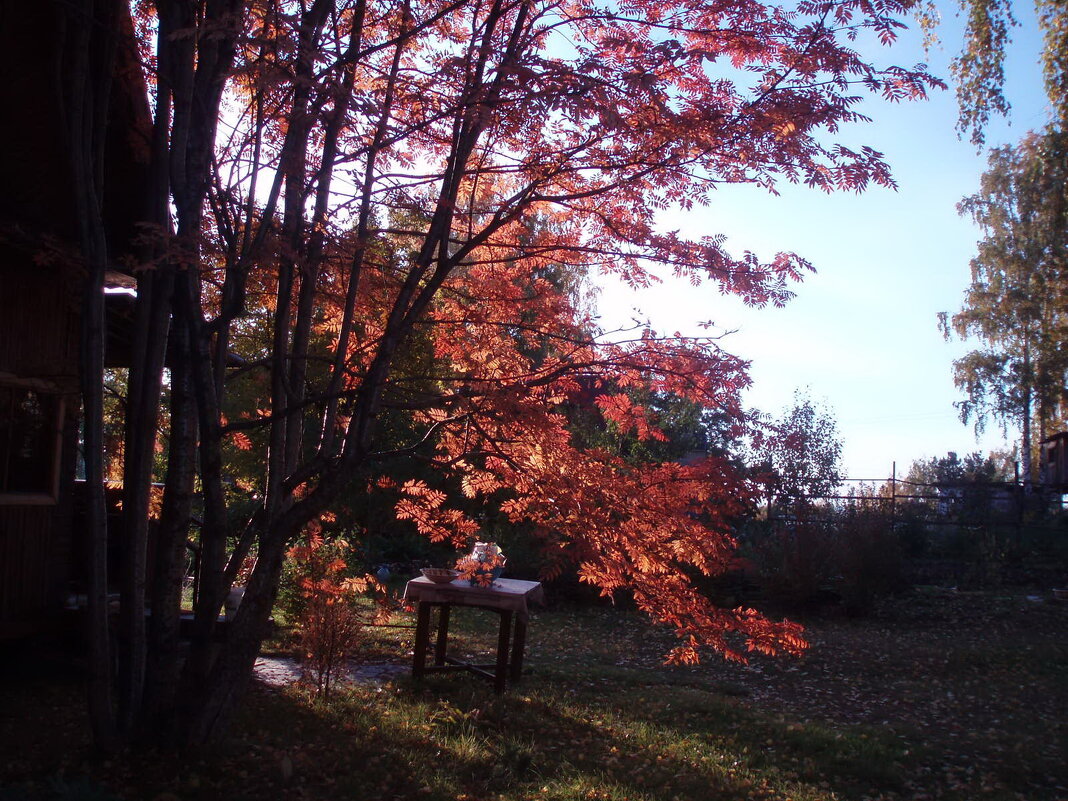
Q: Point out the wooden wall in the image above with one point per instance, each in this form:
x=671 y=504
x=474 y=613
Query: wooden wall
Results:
x=30 y=586
x=40 y=277
x=38 y=326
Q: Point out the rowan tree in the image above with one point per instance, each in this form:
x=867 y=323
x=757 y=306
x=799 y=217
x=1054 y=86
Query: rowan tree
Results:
x=382 y=188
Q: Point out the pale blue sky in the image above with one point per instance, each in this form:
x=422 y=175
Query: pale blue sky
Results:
x=862 y=332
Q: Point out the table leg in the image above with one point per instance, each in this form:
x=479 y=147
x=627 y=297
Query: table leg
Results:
x=502 y=651
x=520 y=642
x=443 y=635
x=422 y=640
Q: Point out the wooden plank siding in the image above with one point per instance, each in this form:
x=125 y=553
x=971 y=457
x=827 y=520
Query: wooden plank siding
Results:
x=38 y=327
x=42 y=550
x=31 y=586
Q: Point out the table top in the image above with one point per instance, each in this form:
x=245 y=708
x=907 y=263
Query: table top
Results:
x=507 y=594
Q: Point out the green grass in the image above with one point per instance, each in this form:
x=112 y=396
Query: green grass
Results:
x=451 y=738
x=599 y=717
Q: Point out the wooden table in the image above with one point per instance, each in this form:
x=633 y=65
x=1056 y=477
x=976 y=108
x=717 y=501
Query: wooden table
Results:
x=507 y=597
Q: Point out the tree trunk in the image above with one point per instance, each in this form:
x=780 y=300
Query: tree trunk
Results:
x=164 y=658
x=146 y=377
x=162 y=665
x=210 y=708
x=1025 y=424
x=87 y=36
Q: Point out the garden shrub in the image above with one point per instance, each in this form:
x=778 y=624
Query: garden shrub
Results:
x=323 y=604
x=793 y=561
x=846 y=558
x=869 y=560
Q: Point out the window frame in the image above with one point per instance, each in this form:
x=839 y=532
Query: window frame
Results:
x=49 y=497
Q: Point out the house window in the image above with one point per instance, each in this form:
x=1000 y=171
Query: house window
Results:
x=30 y=423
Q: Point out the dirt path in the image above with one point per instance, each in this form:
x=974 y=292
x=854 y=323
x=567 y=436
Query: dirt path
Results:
x=280 y=671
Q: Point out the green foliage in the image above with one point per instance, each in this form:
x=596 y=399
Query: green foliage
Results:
x=869 y=558
x=802 y=450
x=961 y=489
x=979 y=70
x=116 y=388
x=1053 y=18
x=969 y=512
x=849 y=559
x=687 y=426
x=1015 y=305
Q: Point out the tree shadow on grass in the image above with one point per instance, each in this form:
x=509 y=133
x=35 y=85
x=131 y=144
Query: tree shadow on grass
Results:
x=562 y=738
x=571 y=730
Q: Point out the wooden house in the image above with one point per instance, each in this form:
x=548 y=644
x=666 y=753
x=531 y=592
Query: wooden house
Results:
x=41 y=282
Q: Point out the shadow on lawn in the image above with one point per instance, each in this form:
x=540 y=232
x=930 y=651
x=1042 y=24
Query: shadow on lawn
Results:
x=560 y=739
x=597 y=718
x=449 y=738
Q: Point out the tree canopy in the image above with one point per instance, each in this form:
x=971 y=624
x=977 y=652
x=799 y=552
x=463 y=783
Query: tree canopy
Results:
x=357 y=206
x=1015 y=303
x=979 y=70
x=802 y=450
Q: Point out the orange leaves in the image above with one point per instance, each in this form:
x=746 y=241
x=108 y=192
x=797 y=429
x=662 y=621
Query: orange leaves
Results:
x=422 y=505
x=479 y=571
x=329 y=621
x=629 y=417
x=241 y=440
x=482 y=175
x=687 y=654
x=430 y=498
x=643 y=528
x=479 y=482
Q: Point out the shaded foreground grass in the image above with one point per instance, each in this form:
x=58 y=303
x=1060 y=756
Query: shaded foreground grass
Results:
x=938 y=697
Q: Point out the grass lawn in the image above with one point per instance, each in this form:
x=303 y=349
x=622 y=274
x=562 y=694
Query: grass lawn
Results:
x=938 y=695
